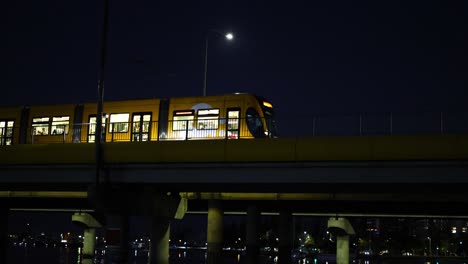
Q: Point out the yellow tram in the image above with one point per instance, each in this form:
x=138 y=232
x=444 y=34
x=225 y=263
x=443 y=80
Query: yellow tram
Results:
x=231 y=116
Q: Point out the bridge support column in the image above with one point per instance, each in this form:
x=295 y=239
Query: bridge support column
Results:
x=285 y=237
x=342 y=229
x=342 y=249
x=159 y=246
x=3 y=233
x=89 y=223
x=89 y=243
x=252 y=243
x=164 y=208
x=215 y=232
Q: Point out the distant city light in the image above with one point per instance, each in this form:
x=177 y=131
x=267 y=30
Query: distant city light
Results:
x=229 y=36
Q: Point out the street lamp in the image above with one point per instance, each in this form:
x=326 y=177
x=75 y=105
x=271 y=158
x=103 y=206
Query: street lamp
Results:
x=229 y=36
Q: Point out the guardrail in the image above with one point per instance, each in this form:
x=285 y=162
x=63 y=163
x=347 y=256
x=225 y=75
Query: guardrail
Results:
x=300 y=126
x=149 y=131
x=374 y=124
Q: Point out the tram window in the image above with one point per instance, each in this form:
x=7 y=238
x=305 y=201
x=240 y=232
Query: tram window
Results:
x=182 y=119
x=146 y=123
x=6 y=128
x=60 y=125
x=233 y=120
x=92 y=127
x=119 y=123
x=254 y=123
x=208 y=119
x=40 y=126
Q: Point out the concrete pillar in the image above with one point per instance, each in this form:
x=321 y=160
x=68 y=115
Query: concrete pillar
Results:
x=89 y=243
x=341 y=228
x=342 y=249
x=214 y=232
x=285 y=237
x=159 y=247
x=165 y=207
x=3 y=233
x=89 y=224
x=252 y=242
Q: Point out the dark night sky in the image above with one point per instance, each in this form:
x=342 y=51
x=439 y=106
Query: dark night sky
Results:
x=319 y=57
x=306 y=57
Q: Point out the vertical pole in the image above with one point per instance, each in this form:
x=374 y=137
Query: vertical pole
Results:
x=391 y=123
x=285 y=237
x=360 y=124
x=112 y=129
x=441 y=122
x=64 y=134
x=206 y=64
x=159 y=245
x=313 y=125
x=214 y=232
x=430 y=247
x=105 y=27
x=140 y=133
x=226 y=126
x=252 y=243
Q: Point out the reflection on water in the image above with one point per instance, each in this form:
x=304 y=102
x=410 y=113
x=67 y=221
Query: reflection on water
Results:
x=29 y=255
x=25 y=255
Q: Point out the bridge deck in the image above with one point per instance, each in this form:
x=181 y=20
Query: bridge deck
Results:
x=372 y=173
x=362 y=148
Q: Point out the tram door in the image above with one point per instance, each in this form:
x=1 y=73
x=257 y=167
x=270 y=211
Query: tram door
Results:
x=92 y=128
x=6 y=132
x=233 y=126
x=141 y=126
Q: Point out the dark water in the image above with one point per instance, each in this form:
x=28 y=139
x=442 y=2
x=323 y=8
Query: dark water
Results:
x=23 y=255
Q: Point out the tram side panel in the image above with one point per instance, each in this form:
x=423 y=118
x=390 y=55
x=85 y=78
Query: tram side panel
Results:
x=212 y=117
x=196 y=118
x=251 y=118
x=244 y=117
x=122 y=121
x=50 y=124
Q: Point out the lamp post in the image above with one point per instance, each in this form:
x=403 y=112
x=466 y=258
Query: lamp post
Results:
x=98 y=132
x=228 y=36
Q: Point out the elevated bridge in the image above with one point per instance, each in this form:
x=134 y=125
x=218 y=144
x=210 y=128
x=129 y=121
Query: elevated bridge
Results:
x=393 y=175
x=353 y=174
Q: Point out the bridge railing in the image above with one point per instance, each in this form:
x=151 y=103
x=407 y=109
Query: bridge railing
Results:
x=147 y=131
x=221 y=128
x=396 y=123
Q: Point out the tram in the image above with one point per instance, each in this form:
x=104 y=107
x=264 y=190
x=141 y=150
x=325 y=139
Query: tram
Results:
x=231 y=116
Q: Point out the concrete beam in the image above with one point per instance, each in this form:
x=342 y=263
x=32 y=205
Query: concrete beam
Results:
x=340 y=226
x=86 y=219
